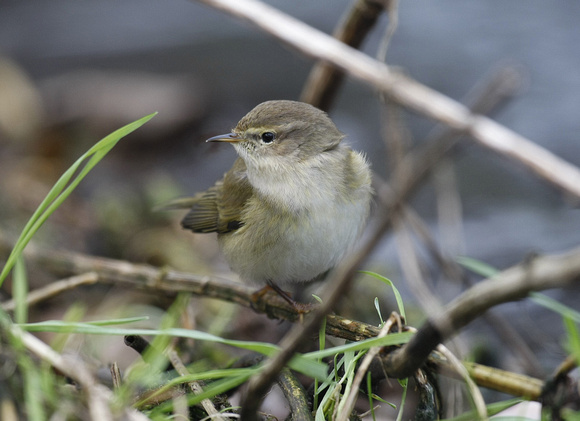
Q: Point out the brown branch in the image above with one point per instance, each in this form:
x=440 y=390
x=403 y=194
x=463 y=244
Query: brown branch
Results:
x=405 y=90
x=510 y=285
x=54 y=289
x=324 y=80
x=195 y=386
x=150 y=278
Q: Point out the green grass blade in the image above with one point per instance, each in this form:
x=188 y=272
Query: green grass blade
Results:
x=20 y=291
x=557 y=307
x=64 y=186
x=230 y=378
x=303 y=364
x=389 y=340
x=573 y=338
x=477 y=266
x=210 y=390
x=492 y=409
x=387 y=281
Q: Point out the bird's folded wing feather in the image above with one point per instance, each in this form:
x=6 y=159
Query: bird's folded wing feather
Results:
x=219 y=208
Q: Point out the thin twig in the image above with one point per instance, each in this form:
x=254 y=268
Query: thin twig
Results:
x=195 y=387
x=54 y=289
x=324 y=79
x=116 y=375
x=393 y=11
x=405 y=90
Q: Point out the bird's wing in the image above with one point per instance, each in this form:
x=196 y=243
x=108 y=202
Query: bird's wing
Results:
x=216 y=211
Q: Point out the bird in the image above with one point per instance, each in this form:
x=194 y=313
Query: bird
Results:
x=294 y=202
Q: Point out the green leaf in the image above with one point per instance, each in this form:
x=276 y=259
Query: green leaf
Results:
x=378 y=308
x=230 y=378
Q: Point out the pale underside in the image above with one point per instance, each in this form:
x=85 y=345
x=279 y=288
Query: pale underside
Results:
x=272 y=227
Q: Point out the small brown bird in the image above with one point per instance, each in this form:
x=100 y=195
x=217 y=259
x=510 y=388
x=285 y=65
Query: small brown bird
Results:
x=295 y=200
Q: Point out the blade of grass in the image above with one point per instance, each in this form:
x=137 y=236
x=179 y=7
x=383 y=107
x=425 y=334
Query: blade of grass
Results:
x=492 y=409
x=210 y=390
x=303 y=364
x=20 y=288
x=573 y=338
x=555 y=306
x=64 y=187
x=387 y=281
x=477 y=266
x=232 y=376
x=389 y=340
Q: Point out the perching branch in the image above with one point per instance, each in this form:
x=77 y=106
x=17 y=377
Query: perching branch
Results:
x=555 y=270
x=155 y=280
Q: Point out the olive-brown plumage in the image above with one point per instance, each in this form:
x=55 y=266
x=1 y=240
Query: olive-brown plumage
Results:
x=295 y=200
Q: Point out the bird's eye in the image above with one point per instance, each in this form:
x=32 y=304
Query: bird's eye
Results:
x=268 y=137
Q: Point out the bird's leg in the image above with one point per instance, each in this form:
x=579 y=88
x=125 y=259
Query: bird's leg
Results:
x=300 y=308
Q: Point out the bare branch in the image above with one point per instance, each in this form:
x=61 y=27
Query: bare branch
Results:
x=324 y=79
x=54 y=289
x=405 y=90
x=510 y=285
x=195 y=386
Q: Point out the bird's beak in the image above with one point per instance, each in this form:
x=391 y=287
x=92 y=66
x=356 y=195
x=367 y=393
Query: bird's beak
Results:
x=228 y=137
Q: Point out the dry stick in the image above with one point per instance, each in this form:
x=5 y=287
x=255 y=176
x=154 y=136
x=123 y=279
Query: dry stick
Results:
x=324 y=80
x=510 y=285
x=195 y=387
x=393 y=11
x=504 y=381
x=145 y=277
x=54 y=289
x=116 y=375
x=404 y=90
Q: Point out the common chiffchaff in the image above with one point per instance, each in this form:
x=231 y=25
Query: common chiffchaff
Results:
x=294 y=201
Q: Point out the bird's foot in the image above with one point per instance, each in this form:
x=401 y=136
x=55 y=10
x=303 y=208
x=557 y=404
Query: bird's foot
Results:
x=299 y=308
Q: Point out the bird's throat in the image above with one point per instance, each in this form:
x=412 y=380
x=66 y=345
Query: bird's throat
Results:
x=296 y=186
